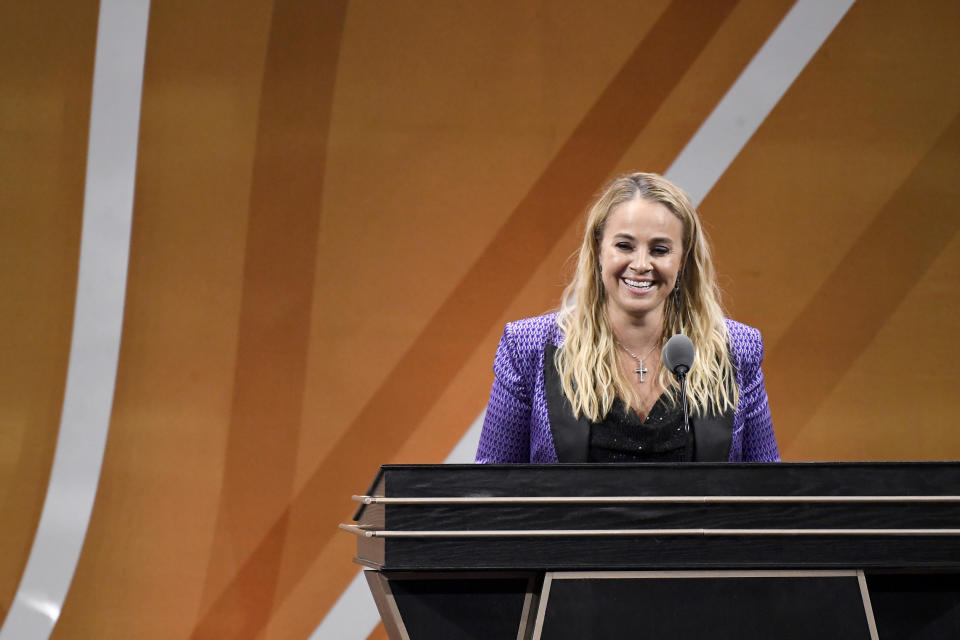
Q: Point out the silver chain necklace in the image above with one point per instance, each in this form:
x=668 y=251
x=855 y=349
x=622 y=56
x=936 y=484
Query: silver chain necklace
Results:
x=640 y=368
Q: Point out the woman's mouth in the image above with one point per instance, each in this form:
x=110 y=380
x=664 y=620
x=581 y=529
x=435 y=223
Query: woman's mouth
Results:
x=638 y=286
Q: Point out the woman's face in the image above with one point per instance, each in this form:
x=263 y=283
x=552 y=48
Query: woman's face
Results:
x=640 y=255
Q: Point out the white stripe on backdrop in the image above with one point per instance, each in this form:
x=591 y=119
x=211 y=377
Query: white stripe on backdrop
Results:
x=97 y=321
x=697 y=168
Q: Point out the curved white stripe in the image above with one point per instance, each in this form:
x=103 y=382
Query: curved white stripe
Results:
x=697 y=168
x=97 y=321
x=466 y=450
x=755 y=93
x=353 y=617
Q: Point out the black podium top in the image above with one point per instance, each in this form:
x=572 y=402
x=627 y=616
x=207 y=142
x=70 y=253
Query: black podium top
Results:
x=663 y=516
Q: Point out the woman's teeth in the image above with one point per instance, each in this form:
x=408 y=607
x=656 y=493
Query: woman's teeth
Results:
x=637 y=284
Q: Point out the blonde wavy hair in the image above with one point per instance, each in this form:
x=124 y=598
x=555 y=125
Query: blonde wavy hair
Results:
x=587 y=360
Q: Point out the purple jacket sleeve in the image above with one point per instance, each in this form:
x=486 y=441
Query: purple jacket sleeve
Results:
x=506 y=427
x=758 y=441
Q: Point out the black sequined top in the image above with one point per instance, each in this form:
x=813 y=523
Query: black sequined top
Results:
x=622 y=437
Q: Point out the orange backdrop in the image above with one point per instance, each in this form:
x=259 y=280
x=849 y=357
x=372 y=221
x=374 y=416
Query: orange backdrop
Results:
x=338 y=205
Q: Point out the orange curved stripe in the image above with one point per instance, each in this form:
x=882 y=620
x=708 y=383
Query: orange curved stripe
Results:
x=297 y=95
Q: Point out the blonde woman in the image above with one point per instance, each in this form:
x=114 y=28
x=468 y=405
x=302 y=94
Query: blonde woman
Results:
x=586 y=384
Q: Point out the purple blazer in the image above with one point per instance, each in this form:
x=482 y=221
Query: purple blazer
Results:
x=517 y=427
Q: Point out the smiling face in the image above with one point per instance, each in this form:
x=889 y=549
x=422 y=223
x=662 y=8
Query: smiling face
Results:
x=640 y=254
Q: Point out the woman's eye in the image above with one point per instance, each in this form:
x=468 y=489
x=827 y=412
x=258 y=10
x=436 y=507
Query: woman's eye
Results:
x=623 y=245
x=660 y=250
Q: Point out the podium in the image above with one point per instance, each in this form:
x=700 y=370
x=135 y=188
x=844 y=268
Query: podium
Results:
x=701 y=550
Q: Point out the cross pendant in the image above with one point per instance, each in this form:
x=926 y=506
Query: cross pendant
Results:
x=640 y=369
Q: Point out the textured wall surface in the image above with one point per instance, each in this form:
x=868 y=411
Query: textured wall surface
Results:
x=339 y=204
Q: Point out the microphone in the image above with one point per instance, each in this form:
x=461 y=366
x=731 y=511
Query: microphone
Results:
x=678 y=356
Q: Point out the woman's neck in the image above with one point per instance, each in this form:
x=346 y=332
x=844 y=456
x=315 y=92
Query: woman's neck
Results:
x=635 y=331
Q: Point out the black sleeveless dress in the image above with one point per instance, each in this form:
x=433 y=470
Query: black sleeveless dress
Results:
x=622 y=437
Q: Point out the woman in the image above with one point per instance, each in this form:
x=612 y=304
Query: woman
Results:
x=587 y=384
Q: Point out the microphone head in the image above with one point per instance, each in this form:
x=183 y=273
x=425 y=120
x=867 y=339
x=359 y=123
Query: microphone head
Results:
x=678 y=354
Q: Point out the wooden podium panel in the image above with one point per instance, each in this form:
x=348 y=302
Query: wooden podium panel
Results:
x=456 y=606
x=912 y=606
x=894 y=527
x=719 y=605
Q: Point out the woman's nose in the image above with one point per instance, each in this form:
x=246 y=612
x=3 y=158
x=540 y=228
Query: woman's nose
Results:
x=640 y=263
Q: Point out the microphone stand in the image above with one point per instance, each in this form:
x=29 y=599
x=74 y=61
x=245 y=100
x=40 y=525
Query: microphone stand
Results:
x=678 y=354
x=681 y=373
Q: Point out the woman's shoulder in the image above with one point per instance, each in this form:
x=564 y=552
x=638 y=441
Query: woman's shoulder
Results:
x=745 y=341
x=537 y=324
x=532 y=334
